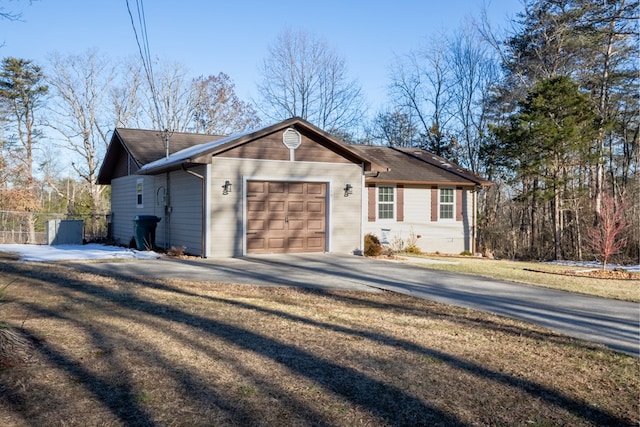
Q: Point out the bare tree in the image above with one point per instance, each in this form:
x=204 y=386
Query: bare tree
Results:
x=420 y=84
x=79 y=106
x=217 y=109
x=473 y=72
x=607 y=236
x=125 y=97
x=302 y=76
x=174 y=92
x=395 y=129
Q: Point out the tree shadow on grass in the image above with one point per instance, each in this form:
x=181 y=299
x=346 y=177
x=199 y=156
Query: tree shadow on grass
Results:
x=390 y=403
x=608 y=329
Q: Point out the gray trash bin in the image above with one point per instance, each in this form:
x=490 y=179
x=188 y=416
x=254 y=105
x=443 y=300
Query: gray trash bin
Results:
x=145 y=231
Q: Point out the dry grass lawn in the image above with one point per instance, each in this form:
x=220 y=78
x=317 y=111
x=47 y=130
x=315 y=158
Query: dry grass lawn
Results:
x=118 y=352
x=539 y=274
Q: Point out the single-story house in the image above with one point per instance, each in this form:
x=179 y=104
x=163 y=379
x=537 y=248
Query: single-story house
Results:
x=288 y=187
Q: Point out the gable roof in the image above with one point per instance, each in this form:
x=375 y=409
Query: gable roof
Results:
x=201 y=154
x=383 y=164
x=145 y=146
x=416 y=166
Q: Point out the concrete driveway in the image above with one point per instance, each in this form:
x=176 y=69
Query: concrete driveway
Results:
x=613 y=323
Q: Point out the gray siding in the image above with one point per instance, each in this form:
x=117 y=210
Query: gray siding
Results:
x=183 y=225
x=124 y=206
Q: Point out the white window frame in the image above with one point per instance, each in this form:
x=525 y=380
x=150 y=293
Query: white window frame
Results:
x=452 y=203
x=140 y=193
x=392 y=203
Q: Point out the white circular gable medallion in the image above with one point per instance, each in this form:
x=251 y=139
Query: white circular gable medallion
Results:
x=291 y=138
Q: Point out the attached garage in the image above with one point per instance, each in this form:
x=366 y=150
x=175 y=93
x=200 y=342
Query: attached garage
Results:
x=285 y=188
x=286 y=217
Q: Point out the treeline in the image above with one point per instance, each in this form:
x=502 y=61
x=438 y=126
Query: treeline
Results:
x=548 y=111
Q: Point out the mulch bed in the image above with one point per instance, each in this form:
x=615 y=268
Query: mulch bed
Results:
x=597 y=274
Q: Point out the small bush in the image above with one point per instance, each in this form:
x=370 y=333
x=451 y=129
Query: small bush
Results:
x=372 y=246
x=176 y=251
x=466 y=253
x=415 y=250
x=396 y=245
x=412 y=243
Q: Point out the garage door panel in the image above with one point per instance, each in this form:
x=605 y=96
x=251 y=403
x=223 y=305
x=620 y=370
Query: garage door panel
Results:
x=276 y=243
x=316 y=243
x=315 y=225
x=277 y=206
x=255 y=225
x=296 y=206
x=316 y=207
x=296 y=225
x=276 y=187
x=296 y=188
x=276 y=224
x=255 y=187
x=296 y=243
x=285 y=217
x=255 y=206
x=316 y=188
x=256 y=244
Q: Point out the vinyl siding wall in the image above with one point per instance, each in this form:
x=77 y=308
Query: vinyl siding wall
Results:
x=182 y=228
x=226 y=212
x=444 y=236
x=124 y=205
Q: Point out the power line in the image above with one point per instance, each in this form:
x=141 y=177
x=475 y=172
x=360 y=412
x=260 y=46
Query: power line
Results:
x=145 y=52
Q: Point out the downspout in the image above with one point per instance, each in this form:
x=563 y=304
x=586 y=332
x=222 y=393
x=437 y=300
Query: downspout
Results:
x=474 y=202
x=167 y=213
x=474 y=195
x=203 y=213
x=167 y=203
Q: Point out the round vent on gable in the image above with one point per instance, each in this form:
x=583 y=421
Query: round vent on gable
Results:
x=291 y=138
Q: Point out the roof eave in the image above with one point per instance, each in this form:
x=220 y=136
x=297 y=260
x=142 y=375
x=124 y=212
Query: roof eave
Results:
x=373 y=180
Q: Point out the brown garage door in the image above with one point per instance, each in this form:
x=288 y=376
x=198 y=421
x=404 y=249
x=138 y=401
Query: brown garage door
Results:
x=286 y=216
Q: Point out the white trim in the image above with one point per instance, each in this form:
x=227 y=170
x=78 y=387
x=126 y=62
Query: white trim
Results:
x=207 y=211
x=364 y=214
x=140 y=196
x=453 y=204
x=269 y=178
x=300 y=162
x=394 y=203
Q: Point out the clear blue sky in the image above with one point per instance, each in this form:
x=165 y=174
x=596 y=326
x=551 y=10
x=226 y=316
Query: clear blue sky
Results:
x=233 y=36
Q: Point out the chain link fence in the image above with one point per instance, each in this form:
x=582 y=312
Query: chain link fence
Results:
x=30 y=227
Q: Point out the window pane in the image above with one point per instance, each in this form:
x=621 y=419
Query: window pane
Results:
x=385 y=211
x=446 y=211
x=446 y=195
x=385 y=194
x=139 y=189
x=385 y=203
x=446 y=203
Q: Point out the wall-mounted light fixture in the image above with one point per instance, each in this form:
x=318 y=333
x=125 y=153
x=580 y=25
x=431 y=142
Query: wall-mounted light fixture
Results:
x=226 y=187
x=348 y=189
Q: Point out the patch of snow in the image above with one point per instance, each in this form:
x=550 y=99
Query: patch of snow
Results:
x=92 y=251
x=596 y=265
x=186 y=153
